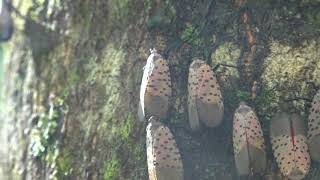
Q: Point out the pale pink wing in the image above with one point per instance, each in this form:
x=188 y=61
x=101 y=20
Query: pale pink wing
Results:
x=192 y=95
x=314 y=128
x=155 y=88
x=164 y=160
x=159 y=81
x=209 y=89
x=289 y=145
x=248 y=142
x=209 y=100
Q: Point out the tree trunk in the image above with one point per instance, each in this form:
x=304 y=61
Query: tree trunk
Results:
x=73 y=71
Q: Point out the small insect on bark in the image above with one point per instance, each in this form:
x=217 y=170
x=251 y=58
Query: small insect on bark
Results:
x=289 y=145
x=6 y=24
x=155 y=89
x=163 y=156
x=205 y=103
x=248 y=142
x=314 y=128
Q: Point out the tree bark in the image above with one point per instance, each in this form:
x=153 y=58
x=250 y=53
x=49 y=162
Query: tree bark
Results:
x=74 y=69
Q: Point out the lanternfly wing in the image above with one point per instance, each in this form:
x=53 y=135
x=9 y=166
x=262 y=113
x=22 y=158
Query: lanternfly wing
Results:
x=314 y=128
x=204 y=88
x=289 y=145
x=192 y=95
x=155 y=88
x=248 y=142
x=209 y=99
x=147 y=71
x=164 y=160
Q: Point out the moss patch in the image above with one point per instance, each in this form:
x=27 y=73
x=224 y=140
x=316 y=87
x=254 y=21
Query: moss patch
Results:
x=112 y=169
x=128 y=151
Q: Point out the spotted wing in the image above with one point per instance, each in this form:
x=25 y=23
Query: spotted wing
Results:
x=192 y=95
x=248 y=142
x=164 y=160
x=159 y=81
x=314 y=128
x=289 y=145
x=209 y=99
x=155 y=88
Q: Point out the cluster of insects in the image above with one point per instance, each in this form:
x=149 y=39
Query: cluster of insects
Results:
x=292 y=147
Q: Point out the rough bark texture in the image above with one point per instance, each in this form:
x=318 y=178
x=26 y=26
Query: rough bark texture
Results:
x=73 y=72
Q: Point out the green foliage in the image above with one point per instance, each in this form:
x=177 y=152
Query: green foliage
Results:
x=45 y=144
x=287 y=69
x=42 y=135
x=243 y=95
x=112 y=169
x=127 y=127
x=266 y=104
x=227 y=52
x=191 y=35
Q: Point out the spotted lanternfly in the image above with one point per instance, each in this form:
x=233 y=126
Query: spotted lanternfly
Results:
x=205 y=102
x=155 y=88
x=314 y=128
x=248 y=142
x=6 y=24
x=289 y=145
x=163 y=156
